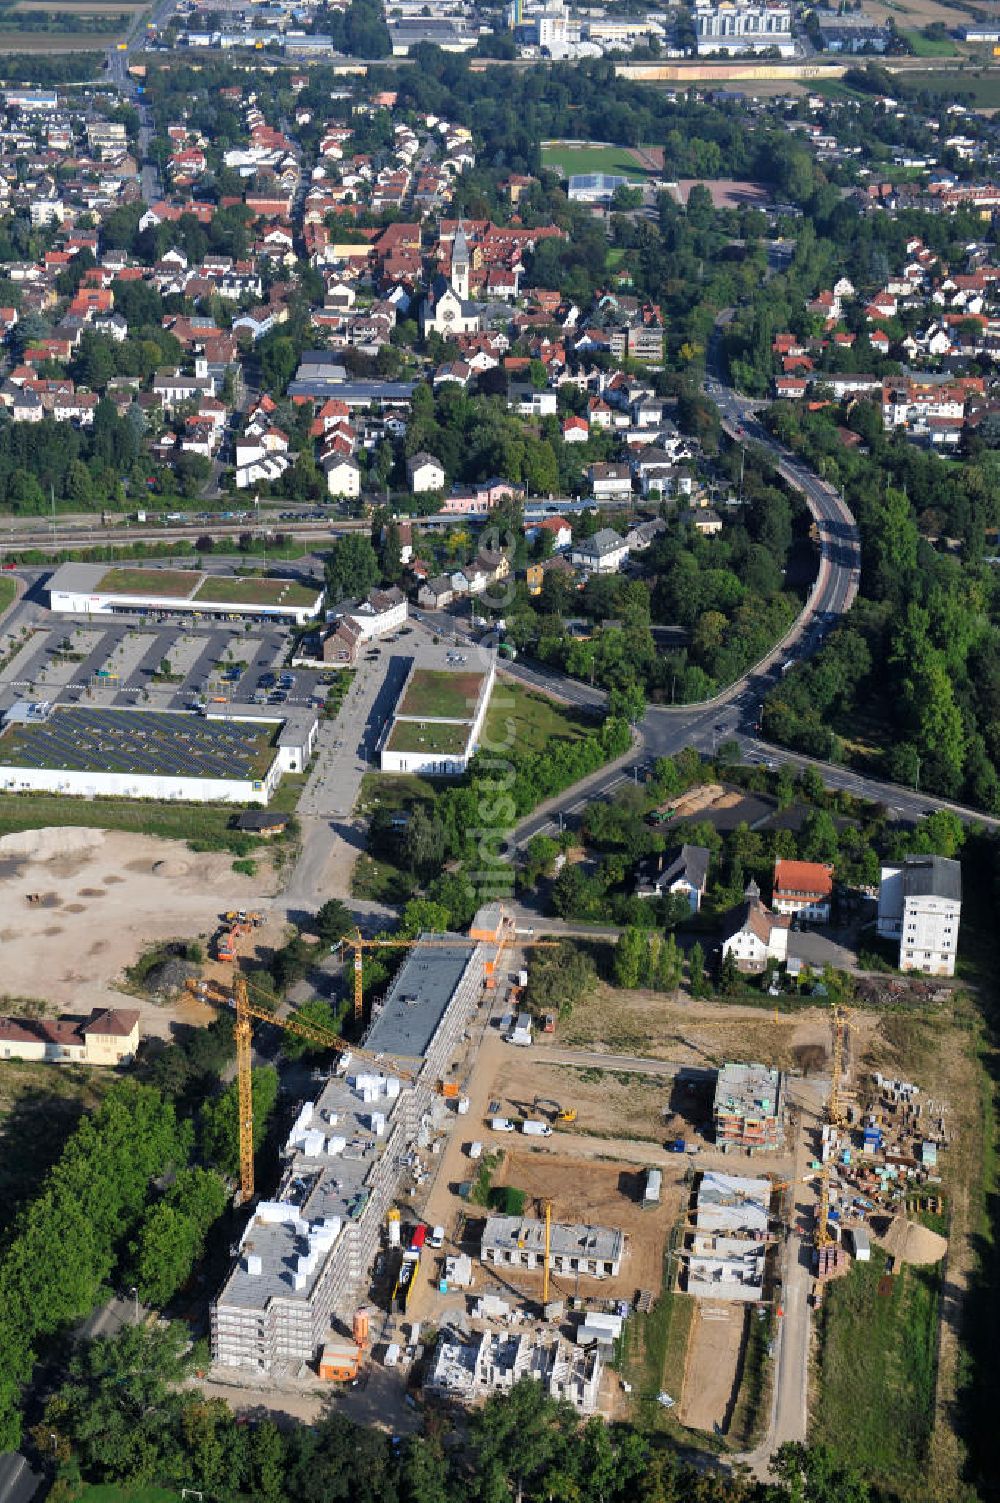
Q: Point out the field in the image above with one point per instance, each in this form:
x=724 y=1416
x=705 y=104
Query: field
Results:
x=447 y=740
x=84 y=43
x=156 y=582
x=434 y=694
x=925 y=47
x=616 y=161
x=250 y=590
x=205 y=825
x=983 y=85
x=81 y=7
x=876 y=1391
x=8 y=589
x=519 y=720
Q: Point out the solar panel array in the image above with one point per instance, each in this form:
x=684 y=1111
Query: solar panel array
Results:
x=150 y=743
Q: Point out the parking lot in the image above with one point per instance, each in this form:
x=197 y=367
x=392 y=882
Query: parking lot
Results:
x=163 y=664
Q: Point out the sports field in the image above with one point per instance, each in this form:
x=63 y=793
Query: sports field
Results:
x=616 y=161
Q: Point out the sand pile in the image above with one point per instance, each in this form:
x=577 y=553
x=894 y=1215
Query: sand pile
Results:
x=910 y=1242
x=49 y=844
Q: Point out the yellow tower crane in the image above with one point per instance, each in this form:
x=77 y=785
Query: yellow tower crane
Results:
x=246 y=1010
x=548 y=1249
x=836 y=1115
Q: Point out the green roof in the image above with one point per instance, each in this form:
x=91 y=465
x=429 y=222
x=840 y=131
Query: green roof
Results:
x=169 y=583
x=446 y=739
x=437 y=694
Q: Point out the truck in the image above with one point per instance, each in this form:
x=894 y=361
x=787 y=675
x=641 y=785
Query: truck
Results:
x=661 y=816
x=535 y=1129
x=677 y=1146
x=502 y=1124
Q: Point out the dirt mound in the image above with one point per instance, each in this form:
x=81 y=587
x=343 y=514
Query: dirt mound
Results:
x=171 y=867
x=912 y=1243
x=48 y=844
x=168 y=978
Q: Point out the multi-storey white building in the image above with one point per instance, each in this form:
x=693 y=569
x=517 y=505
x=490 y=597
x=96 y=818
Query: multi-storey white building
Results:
x=920 y=905
x=727 y=27
x=305 y=1255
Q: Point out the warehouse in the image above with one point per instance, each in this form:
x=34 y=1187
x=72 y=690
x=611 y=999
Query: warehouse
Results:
x=438 y=721
x=305 y=1255
x=157 y=754
x=96 y=590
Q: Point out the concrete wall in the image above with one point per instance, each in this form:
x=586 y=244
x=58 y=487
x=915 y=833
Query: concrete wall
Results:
x=135 y=785
x=71 y=604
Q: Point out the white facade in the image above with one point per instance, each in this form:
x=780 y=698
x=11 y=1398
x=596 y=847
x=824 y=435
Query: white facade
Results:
x=437 y=763
x=343 y=478
x=88 y=784
x=425 y=473
x=727 y=27
x=604 y=553
x=920 y=906
x=74 y=590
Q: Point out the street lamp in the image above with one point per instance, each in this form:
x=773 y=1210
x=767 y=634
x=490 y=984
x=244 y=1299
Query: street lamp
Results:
x=135 y=1295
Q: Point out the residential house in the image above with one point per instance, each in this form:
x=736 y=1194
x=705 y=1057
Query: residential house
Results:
x=343 y=475
x=753 y=935
x=803 y=889
x=604 y=553
x=424 y=473
x=609 y=482
x=683 y=870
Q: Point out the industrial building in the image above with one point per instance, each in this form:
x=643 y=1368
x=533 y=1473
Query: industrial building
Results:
x=748 y=1107
x=90 y=752
x=723 y=26
x=492 y=1362
x=438 y=721
x=96 y=590
x=107 y=1037
x=519 y=1242
x=305 y=1255
x=920 y=907
x=728 y=1246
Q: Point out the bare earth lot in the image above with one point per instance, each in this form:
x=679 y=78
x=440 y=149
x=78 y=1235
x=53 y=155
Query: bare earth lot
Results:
x=105 y=897
x=710 y=1370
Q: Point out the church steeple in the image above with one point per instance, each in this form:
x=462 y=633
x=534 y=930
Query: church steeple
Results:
x=460 y=265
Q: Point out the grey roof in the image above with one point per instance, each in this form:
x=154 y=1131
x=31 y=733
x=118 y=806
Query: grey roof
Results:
x=354 y=393
x=605 y=541
x=77 y=579
x=932 y=877
x=571 y=1240
x=18 y=1483
x=688 y=864
x=418 y=998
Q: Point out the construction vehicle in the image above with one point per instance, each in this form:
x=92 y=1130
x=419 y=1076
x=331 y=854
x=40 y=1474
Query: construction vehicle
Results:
x=557 y=1113
x=239 y=1001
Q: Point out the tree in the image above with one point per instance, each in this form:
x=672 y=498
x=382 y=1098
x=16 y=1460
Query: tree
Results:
x=696 y=970
x=173 y=1234
x=631 y=958
x=559 y=978
x=219 y=1120
x=818 y=840
x=324 y=1015
x=352 y=568
x=628 y=703
x=333 y=920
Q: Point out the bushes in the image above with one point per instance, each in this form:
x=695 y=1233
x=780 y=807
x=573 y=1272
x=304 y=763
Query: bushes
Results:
x=173 y=1234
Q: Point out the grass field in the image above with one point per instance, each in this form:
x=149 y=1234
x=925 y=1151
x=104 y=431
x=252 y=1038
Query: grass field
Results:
x=82 y=42
x=522 y=721
x=8 y=589
x=983 y=85
x=925 y=47
x=878 y=1358
x=617 y=161
x=205 y=825
x=440 y=695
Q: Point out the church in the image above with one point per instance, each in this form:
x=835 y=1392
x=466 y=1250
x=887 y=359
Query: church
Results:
x=447 y=309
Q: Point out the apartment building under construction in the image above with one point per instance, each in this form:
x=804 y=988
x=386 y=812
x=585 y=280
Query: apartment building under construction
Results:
x=748 y=1108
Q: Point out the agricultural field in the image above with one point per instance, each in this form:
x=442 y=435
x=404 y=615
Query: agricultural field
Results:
x=617 y=161
x=928 y=47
